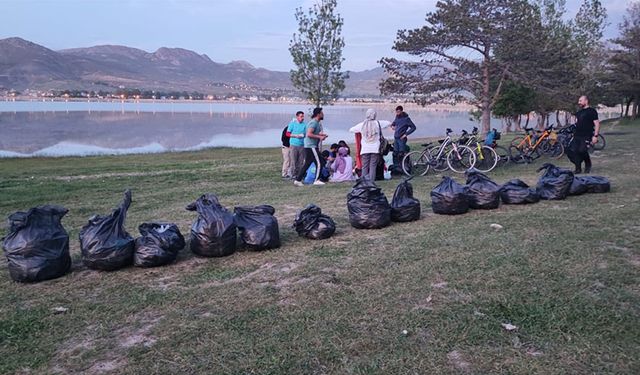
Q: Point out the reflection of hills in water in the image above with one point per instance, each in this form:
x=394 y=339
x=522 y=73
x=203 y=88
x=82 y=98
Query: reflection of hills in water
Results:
x=115 y=132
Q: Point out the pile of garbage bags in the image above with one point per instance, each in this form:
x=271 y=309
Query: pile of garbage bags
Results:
x=483 y=193
x=258 y=227
x=589 y=184
x=213 y=233
x=158 y=244
x=37 y=246
x=404 y=207
x=105 y=243
x=518 y=192
x=313 y=224
x=449 y=197
x=368 y=206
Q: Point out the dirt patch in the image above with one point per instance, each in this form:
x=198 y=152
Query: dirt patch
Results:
x=104 y=367
x=458 y=362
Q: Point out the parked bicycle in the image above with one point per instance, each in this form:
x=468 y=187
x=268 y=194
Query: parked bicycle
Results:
x=486 y=157
x=566 y=136
x=535 y=144
x=448 y=155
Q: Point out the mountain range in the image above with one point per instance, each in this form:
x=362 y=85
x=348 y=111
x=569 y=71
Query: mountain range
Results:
x=27 y=65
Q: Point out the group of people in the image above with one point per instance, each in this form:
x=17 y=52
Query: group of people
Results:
x=302 y=148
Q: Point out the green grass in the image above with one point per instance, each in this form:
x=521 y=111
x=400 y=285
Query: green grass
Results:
x=564 y=272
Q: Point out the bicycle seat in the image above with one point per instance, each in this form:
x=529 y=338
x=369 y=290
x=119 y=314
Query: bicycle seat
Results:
x=527 y=129
x=427 y=144
x=441 y=141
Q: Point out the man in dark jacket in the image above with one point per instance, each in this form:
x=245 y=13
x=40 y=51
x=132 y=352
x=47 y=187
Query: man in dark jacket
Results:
x=585 y=135
x=286 y=157
x=402 y=127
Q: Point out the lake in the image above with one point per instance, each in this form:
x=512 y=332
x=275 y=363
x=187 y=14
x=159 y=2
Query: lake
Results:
x=36 y=128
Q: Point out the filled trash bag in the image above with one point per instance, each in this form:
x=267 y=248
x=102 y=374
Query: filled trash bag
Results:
x=213 y=233
x=105 y=243
x=258 y=227
x=311 y=223
x=555 y=183
x=578 y=186
x=368 y=206
x=483 y=193
x=158 y=245
x=518 y=192
x=449 y=197
x=404 y=207
x=37 y=246
x=595 y=184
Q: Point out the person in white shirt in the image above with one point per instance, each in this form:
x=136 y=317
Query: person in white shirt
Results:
x=370 y=129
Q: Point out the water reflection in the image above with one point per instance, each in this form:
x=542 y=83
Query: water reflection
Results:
x=109 y=129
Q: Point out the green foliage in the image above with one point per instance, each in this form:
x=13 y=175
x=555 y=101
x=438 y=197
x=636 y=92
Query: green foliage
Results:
x=515 y=100
x=317 y=53
x=456 y=50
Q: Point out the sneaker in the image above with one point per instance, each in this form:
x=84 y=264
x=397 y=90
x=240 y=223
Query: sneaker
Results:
x=577 y=171
x=318 y=182
x=587 y=170
x=297 y=183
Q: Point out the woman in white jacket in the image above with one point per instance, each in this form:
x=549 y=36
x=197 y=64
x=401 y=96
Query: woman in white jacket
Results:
x=370 y=149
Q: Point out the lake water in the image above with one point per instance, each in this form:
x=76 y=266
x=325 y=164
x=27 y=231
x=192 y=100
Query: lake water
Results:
x=94 y=128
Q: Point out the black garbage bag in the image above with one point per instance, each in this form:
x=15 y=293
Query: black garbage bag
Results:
x=258 y=227
x=37 y=246
x=555 y=183
x=449 y=197
x=368 y=206
x=596 y=184
x=404 y=207
x=483 y=193
x=313 y=224
x=158 y=245
x=213 y=233
x=104 y=241
x=518 y=192
x=578 y=186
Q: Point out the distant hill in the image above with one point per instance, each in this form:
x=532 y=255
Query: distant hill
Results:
x=26 y=65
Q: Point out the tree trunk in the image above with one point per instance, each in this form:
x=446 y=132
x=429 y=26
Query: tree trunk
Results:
x=557 y=117
x=526 y=124
x=486 y=94
x=626 y=112
x=634 y=110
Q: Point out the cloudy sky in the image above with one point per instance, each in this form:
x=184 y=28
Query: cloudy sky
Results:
x=257 y=31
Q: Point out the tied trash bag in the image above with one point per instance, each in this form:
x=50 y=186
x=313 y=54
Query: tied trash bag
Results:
x=37 y=246
x=258 y=227
x=555 y=183
x=518 y=192
x=404 y=207
x=483 y=193
x=578 y=186
x=105 y=243
x=449 y=197
x=158 y=245
x=311 y=223
x=213 y=233
x=368 y=206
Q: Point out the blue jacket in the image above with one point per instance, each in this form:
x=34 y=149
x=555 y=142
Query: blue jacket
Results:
x=403 y=125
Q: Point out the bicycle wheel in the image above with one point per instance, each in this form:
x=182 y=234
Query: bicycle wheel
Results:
x=439 y=164
x=555 y=150
x=503 y=156
x=486 y=159
x=600 y=144
x=461 y=159
x=416 y=163
x=518 y=142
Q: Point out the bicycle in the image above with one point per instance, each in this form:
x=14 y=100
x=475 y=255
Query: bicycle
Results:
x=486 y=157
x=449 y=154
x=528 y=148
x=566 y=136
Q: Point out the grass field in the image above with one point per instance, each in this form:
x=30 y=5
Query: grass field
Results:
x=565 y=273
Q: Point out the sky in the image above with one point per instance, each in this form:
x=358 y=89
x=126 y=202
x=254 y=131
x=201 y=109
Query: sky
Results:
x=257 y=31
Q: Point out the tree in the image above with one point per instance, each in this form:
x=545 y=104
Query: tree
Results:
x=456 y=51
x=317 y=53
x=515 y=100
x=625 y=59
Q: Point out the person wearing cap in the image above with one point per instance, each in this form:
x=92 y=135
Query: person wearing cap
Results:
x=314 y=135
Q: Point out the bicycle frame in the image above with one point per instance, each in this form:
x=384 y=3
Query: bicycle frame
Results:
x=527 y=140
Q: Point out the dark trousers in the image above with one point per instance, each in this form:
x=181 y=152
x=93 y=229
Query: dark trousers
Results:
x=311 y=156
x=578 y=152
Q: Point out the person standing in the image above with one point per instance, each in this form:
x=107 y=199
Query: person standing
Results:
x=296 y=131
x=370 y=129
x=402 y=127
x=286 y=155
x=313 y=136
x=586 y=134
